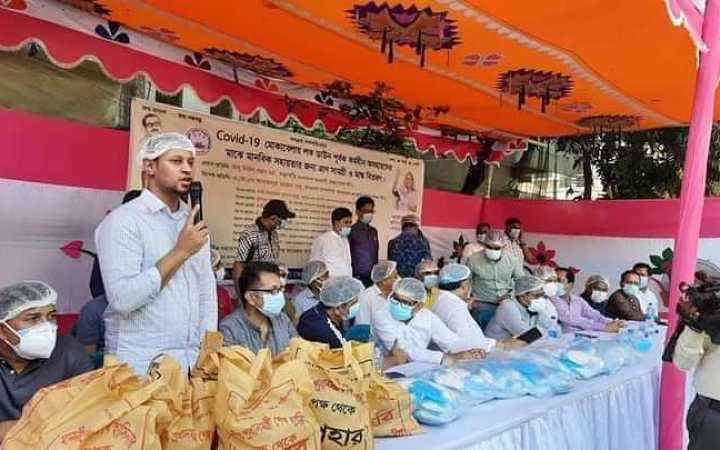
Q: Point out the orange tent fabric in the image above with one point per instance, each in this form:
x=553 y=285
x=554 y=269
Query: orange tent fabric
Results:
x=621 y=60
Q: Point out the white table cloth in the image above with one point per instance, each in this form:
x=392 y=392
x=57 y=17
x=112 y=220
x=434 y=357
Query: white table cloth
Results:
x=618 y=412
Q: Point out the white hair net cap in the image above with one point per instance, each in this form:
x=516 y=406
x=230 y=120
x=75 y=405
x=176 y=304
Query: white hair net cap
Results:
x=382 y=270
x=545 y=273
x=425 y=265
x=454 y=272
x=528 y=283
x=339 y=290
x=313 y=270
x=410 y=289
x=495 y=237
x=20 y=297
x=596 y=279
x=155 y=146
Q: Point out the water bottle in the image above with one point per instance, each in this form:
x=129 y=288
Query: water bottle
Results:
x=554 y=332
x=650 y=316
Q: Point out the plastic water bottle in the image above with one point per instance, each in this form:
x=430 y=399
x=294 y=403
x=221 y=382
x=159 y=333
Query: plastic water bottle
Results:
x=554 y=332
x=650 y=316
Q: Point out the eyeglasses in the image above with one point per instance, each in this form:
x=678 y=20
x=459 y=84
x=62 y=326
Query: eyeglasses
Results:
x=273 y=291
x=404 y=302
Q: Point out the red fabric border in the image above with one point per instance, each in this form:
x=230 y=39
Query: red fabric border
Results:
x=54 y=151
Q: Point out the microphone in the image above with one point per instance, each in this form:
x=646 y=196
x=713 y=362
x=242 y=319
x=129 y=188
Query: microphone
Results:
x=196 y=199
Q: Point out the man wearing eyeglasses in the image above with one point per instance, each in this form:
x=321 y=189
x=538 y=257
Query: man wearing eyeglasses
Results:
x=260 y=241
x=259 y=321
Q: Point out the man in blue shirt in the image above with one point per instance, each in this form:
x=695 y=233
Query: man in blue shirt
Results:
x=410 y=247
x=364 y=241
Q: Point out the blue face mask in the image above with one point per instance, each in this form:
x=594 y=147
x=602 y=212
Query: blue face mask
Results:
x=354 y=310
x=400 y=311
x=431 y=281
x=366 y=218
x=631 y=290
x=345 y=231
x=273 y=304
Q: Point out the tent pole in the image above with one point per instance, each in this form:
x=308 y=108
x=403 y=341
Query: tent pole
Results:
x=491 y=171
x=692 y=196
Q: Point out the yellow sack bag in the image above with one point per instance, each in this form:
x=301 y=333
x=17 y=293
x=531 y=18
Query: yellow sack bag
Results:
x=390 y=404
x=257 y=406
x=339 y=399
x=109 y=408
x=208 y=362
x=191 y=402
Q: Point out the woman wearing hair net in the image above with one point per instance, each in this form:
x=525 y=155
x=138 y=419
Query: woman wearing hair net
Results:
x=338 y=303
x=407 y=324
x=521 y=313
x=33 y=356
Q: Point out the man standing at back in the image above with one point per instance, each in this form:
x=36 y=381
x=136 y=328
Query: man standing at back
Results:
x=156 y=263
x=364 y=241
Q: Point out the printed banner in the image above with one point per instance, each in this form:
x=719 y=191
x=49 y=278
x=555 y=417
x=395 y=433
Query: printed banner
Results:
x=242 y=166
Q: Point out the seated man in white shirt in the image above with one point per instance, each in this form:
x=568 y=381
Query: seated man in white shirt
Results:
x=410 y=326
x=384 y=274
x=314 y=275
x=453 y=308
x=648 y=300
x=520 y=314
x=333 y=247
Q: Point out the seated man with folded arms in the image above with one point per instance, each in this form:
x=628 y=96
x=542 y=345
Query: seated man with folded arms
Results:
x=453 y=308
x=522 y=312
x=32 y=355
x=407 y=324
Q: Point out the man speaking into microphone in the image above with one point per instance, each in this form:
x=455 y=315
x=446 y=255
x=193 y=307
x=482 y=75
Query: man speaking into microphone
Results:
x=155 y=262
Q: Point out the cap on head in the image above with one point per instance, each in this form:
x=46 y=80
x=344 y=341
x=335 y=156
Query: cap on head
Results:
x=410 y=289
x=382 y=270
x=157 y=145
x=20 y=297
x=340 y=290
x=528 y=283
x=313 y=270
x=596 y=279
x=410 y=219
x=495 y=238
x=278 y=208
x=545 y=273
x=454 y=273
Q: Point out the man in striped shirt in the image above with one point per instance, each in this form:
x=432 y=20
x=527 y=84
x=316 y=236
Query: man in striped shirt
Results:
x=260 y=241
x=155 y=263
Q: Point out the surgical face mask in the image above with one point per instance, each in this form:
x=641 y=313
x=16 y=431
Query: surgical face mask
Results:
x=345 y=231
x=36 y=342
x=282 y=225
x=400 y=311
x=514 y=233
x=273 y=304
x=493 y=255
x=354 y=310
x=481 y=237
x=561 y=289
x=643 y=282
x=366 y=218
x=431 y=281
x=552 y=289
x=631 y=290
x=598 y=296
x=537 y=305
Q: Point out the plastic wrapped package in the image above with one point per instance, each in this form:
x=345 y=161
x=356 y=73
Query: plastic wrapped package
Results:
x=615 y=354
x=542 y=381
x=504 y=380
x=433 y=404
x=582 y=360
x=640 y=336
x=477 y=389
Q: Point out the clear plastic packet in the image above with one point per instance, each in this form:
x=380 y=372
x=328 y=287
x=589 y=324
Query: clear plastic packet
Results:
x=582 y=360
x=433 y=404
x=476 y=389
x=615 y=354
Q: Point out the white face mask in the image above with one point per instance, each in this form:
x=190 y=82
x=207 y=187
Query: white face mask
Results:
x=36 y=342
x=493 y=255
x=514 y=233
x=561 y=290
x=537 y=305
x=598 y=296
x=551 y=289
x=643 y=282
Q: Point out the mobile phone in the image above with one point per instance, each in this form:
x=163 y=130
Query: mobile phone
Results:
x=531 y=335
